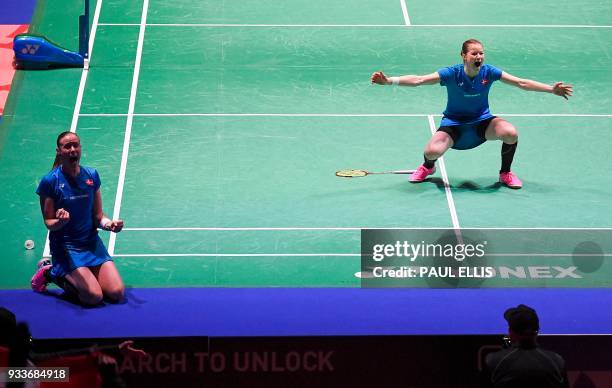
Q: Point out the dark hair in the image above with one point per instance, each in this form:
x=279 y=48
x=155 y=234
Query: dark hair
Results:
x=57 y=161
x=464 y=46
x=522 y=320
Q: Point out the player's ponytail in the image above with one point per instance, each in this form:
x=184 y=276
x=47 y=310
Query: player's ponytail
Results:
x=56 y=162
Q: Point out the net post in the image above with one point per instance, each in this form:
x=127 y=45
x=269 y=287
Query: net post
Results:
x=84 y=32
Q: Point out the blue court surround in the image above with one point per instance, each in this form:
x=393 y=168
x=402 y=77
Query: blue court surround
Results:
x=231 y=312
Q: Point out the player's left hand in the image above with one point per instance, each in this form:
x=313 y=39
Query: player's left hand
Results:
x=115 y=226
x=379 y=78
x=563 y=90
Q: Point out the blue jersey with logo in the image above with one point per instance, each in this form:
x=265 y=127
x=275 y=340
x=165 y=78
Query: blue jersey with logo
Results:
x=468 y=99
x=76 y=195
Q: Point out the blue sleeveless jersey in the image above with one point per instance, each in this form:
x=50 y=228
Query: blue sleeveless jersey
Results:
x=468 y=99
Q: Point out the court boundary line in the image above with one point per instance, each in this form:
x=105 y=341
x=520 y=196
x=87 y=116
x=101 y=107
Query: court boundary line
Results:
x=447 y=188
x=237 y=254
x=405 y=12
x=549 y=254
x=542 y=255
x=586 y=115
x=255 y=229
x=128 y=124
x=552 y=255
x=262 y=25
x=81 y=91
x=230 y=229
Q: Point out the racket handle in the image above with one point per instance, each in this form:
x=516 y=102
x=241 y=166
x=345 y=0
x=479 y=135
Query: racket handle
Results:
x=402 y=172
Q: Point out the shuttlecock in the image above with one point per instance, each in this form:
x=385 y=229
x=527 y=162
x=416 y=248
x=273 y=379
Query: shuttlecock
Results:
x=29 y=244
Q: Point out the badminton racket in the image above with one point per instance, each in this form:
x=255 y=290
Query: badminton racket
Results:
x=361 y=173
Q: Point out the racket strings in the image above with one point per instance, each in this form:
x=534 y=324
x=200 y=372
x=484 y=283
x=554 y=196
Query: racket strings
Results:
x=351 y=173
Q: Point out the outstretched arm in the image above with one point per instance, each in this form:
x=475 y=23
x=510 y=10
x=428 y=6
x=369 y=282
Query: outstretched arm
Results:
x=558 y=88
x=405 y=80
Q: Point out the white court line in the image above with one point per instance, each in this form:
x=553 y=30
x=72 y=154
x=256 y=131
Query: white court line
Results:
x=247 y=229
x=551 y=255
x=214 y=25
x=332 y=115
x=128 y=125
x=237 y=254
x=358 y=25
x=81 y=91
x=345 y=228
x=79 y=100
x=449 y=195
x=256 y=114
x=512 y=25
x=405 y=12
x=269 y=229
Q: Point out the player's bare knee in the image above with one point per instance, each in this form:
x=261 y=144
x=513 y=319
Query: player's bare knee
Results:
x=510 y=135
x=90 y=297
x=507 y=131
x=115 y=294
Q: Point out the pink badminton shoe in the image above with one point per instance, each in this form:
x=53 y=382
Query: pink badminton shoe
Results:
x=40 y=280
x=421 y=173
x=510 y=180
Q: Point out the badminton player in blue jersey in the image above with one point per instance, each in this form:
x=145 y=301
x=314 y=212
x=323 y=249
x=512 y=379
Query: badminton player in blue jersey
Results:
x=467 y=121
x=71 y=206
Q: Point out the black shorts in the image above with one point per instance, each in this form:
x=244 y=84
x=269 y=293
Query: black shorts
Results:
x=466 y=136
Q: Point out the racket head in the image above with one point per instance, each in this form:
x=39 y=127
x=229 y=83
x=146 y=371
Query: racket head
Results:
x=351 y=173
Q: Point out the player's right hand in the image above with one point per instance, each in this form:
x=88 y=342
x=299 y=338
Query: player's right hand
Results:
x=115 y=226
x=379 y=78
x=62 y=215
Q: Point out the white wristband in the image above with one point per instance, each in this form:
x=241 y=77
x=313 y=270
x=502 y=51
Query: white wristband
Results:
x=394 y=80
x=103 y=222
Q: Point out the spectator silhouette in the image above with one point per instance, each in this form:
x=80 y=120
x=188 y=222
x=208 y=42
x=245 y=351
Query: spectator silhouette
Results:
x=524 y=363
x=92 y=367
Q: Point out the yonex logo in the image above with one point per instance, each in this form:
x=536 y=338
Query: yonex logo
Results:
x=30 y=49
